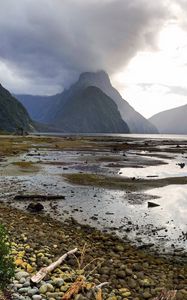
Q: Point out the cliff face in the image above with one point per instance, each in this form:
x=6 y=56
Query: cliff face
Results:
x=13 y=115
x=89 y=110
x=135 y=121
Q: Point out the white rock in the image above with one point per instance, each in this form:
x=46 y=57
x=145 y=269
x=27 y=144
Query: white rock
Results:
x=21 y=274
x=36 y=297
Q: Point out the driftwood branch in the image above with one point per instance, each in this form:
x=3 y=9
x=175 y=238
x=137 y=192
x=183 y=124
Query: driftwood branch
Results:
x=39 y=197
x=44 y=271
x=101 y=285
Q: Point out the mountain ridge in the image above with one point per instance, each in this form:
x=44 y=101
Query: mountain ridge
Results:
x=136 y=122
x=171 y=121
x=52 y=110
x=13 y=115
x=89 y=110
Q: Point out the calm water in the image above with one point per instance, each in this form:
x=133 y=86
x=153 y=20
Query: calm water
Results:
x=139 y=136
x=169 y=169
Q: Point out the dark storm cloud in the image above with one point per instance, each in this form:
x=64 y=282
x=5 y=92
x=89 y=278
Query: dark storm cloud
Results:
x=52 y=41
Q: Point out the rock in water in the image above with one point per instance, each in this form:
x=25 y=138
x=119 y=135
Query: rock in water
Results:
x=182 y=165
x=35 y=207
x=152 y=204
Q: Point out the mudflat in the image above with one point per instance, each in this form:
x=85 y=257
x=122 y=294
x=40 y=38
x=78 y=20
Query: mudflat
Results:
x=138 y=249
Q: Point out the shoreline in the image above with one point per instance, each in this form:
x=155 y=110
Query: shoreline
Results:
x=138 y=264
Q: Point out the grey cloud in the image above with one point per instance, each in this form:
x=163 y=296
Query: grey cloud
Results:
x=52 y=41
x=145 y=86
x=180 y=14
x=178 y=90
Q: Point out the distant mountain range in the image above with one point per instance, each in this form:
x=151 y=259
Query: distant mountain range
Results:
x=171 y=121
x=83 y=108
x=91 y=105
x=13 y=115
x=39 y=107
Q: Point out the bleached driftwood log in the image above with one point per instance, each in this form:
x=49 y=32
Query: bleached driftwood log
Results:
x=44 y=271
x=101 y=285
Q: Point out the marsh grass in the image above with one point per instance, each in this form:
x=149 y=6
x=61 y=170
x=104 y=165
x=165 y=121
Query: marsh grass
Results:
x=110 y=158
x=122 y=183
x=26 y=166
x=13 y=145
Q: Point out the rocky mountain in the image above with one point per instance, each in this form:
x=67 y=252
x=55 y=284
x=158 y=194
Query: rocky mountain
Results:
x=54 y=105
x=13 y=115
x=89 y=110
x=136 y=122
x=39 y=107
x=172 y=120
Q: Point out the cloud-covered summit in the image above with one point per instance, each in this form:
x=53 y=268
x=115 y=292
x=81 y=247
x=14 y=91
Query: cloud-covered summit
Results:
x=45 y=44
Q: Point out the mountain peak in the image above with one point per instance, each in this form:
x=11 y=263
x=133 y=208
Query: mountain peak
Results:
x=63 y=104
x=94 y=77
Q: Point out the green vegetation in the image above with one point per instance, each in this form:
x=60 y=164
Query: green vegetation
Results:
x=122 y=183
x=26 y=166
x=13 y=145
x=7 y=267
x=8 y=147
x=2 y=132
x=12 y=114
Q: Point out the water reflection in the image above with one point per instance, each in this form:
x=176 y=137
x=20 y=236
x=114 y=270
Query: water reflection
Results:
x=171 y=169
x=173 y=202
x=111 y=210
x=126 y=214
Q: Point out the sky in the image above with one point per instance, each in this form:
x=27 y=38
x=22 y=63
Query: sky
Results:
x=141 y=44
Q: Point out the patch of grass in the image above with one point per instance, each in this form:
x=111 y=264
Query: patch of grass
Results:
x=27 y=166
x=7 y=267
x=14 y=145
x=11 y=146
x=122 y=183
x=110 y=158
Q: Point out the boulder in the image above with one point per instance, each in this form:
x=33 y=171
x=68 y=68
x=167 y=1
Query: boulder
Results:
x=35 y=207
